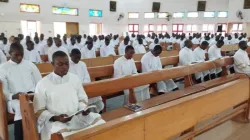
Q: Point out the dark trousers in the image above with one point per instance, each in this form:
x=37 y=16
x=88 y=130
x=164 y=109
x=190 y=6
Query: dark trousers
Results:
x=206 y=78
x=18 y=130
x=213 y=76
x=232 y=70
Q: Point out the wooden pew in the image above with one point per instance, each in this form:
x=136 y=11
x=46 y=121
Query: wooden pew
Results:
x=176 y=46
x=216 y=96
x=3 y=116
x=44 y=58
x=164 y=121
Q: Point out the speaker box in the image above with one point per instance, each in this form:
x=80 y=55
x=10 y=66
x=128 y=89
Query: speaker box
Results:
x=112 y=6
x=246 y=4
x=156 y=7
x=201 y=6
x=219 y=28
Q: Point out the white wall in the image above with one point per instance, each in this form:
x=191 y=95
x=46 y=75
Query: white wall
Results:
x=10 y=14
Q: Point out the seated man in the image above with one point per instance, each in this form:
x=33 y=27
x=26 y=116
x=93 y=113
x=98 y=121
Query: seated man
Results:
x=57 y=96
x=18 y=76
x=57 y=47
x=200 y=56
x=79 y=68
x=153 y=44
x=139 y=48
x=151 y=62
x=44 y=49
x=107 y=49
x=32 y=53
x=123 y=45
x=2 y=57
x=125 y=66
x=241 y=59
x=88 y=51
x=186 y=56
x=214 y=52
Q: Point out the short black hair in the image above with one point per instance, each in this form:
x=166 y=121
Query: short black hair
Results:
x=129 y=47
x=140 y=41
x=29 y=42
x=16 y=46
x=75 y=52
x=157 y=48
x=220 y=42
x=241 y=43
x=186 y=42
x=58 y=54
x=205 y=43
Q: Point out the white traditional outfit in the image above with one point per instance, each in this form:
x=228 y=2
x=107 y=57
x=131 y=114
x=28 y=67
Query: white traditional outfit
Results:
x=106 y=51
x=214 y=53
x=16 y=78
x=54 y=49
x=196 y=41
x=80 y=69
x=139 y=49
x=152 y=46
x=44 y=50
x=121 y=48
x=86 y=53
x=56 y=95
x=78 y=46
x=241 y=62
x=124 y=67
x=34 y=56
x=3 y=58
x=151 y=63
x=200 y=56
x=186 y=56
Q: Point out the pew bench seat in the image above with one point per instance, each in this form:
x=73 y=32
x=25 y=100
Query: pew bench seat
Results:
x=170 y=96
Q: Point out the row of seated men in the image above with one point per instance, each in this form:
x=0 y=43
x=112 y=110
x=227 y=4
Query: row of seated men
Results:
x=52 y=92
x=88 y=45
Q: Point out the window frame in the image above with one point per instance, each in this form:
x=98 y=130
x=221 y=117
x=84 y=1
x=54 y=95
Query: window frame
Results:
x=134 y=12
x=178 y=31
x=133 y=31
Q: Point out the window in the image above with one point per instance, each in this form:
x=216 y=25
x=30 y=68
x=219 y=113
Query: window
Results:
x=133 y=15
x=209 y=14
x=133 y=28
x=224 y=28
x=237 y=28
x=192 y=14
x=149 y=15
x=148 y=29
x=95 y=13
x=162 y=15
x=162 y=28
x=177 y=28
x=222 y=14
x=30 y=27
x=64 y=11
x=29 y=8
x=178 y=15
x=208 y=28
x=95 y=29
x=192 y=28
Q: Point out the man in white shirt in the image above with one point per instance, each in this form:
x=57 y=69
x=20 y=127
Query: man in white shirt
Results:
x=18 y=76
x=106 y=49
x=241 y=59
x=200 y=56
x=235 y=40
x=57 y=47
x=58 y=96
x=88 y=51
x=44 y=49
x=214 y=52
x=196 y=40
x=7 y=47
x=32 y=53
x=186 y=56
x=3 y=58
x=84 y=39
x=96 y=43
x=80 y=69
x=22 y=40
x=229 y=40
x=153 y=44
x=140 y=47
x=125 y=66
x=3 y=42
x=151 y=62
x=78 y=45
x=42 y=41
x=123 y=45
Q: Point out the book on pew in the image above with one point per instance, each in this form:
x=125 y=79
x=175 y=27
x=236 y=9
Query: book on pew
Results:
x=80 y=111
x=133 y=107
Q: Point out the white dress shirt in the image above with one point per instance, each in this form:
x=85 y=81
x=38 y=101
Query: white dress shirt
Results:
x=106 y=51
x=86 y=53
x=3 y=58
x=214 y=53
x=80 y=69
x=121 y=48
x=34 y=56
x=186 y=56
x=200 y=56
x=54 y=49
x=241 y=62
x=139 y=49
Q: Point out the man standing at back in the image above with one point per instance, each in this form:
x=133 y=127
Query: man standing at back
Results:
x=151 y=62
x=18 y=76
